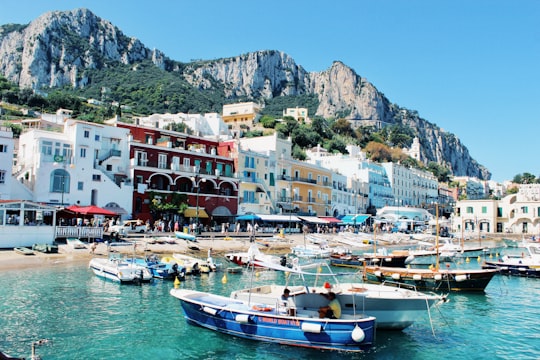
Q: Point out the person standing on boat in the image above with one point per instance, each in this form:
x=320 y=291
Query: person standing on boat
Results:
x=333 y=309
x=285 y=297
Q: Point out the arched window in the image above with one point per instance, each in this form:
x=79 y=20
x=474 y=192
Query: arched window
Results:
x=60 y=181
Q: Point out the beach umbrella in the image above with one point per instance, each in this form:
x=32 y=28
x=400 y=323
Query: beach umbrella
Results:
x=90 y=210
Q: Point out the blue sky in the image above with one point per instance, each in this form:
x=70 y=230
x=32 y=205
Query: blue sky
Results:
x=470 y=67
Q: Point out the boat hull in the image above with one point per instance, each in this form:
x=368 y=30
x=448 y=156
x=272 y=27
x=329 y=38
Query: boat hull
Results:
x=237 y=318
x=513 y=269
x=426 y=279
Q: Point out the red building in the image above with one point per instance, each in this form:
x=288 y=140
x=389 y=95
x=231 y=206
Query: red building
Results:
x=171 y=167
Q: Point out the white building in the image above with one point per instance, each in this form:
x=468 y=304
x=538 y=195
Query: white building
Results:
x=85 y=164
x=6 y=162
x=209 y=125
x=410 y=186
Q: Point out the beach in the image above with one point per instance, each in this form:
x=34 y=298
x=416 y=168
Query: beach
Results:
x=151 y=244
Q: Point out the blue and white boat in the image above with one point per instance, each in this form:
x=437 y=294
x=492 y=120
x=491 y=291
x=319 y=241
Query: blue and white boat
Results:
x=158 y=269
x=352 y=332
x=185 y=236
x=119 y=270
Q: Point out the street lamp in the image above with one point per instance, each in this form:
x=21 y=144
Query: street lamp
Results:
x=197 y=183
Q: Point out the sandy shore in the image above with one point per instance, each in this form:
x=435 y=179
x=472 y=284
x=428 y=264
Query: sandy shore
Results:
x=10 y=260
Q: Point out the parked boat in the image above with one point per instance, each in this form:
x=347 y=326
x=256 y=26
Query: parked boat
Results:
x=185 y=236
x=118 y=270
x=526 y=264
x=440 y=280
x=256 y=321
x=46 y=248
x=312 y=251
x=246 y=258
x=394 y=307
x=396 y=258
x=23 y=251
x=158 y=269
x=193 y=265
x=75 y=243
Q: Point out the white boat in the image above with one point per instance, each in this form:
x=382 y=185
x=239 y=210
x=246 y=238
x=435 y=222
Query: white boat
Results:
x=185 y=236
x=75 y=243
x=245 y=258
x=312 y=251
x=526 y=264
x=393 y=307
x=118 y=270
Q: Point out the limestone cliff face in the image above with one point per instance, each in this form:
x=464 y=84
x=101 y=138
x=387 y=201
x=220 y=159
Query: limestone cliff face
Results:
x=57 y=48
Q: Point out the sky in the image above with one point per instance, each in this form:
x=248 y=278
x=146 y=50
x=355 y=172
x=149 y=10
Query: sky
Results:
x=470 y=67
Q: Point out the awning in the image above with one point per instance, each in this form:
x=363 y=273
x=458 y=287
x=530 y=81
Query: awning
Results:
x=90 y=210
x=221 y=211
x=285 y=205
x=314 y=220
x=248 y=217
x=354 y=219
x=191 y=212
x=331 y=219
x=278 y=218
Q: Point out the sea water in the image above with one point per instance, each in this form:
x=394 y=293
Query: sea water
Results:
x=85 y=317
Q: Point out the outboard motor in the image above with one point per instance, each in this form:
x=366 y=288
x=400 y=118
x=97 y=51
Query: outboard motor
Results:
x=283 y=261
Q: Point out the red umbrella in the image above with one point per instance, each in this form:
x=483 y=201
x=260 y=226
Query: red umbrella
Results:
x=90 y=210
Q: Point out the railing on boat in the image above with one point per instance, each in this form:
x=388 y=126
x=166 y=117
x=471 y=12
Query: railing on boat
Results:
x=79 y=232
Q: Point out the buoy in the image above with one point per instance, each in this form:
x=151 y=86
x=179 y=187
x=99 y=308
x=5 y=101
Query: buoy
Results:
x=176 y=282
x=311 y=328
x=358 y=334
x=209 y=310
x=327 y=285
x=396 y=276
x=224 y=279
x=242 y=318
x=417 y=277
x=467 y=260
x=257 y=274
x=286 y=274
x=460 y=278
x=479 y=259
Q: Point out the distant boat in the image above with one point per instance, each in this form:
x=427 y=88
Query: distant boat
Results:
x=255 y=321
x=158 y=269
x=75 y=243
x=247 y=257
x=185 y=236
x=45 y=248
x=24 y=251
x=526 y=264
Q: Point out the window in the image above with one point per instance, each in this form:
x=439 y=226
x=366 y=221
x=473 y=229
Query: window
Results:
x=524 y=209
x=484 y=209
x=96 y=137
x=162 y=161
x=142 y=158
x=249 y=197
x=83 y=152
x=86 y=134
x=80 y=185
x=3 y=148
x=59 y=181
x=96 y=177
x=46 y=147
x=470 y=210
x=109 y=167
x=2 y=177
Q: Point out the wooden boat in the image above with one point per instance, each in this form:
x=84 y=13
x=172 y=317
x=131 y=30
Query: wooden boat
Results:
x=23 y=251
x=397 y=258
x=526 y=264
x=435 y=278
x=441 y=280
x=256 y=321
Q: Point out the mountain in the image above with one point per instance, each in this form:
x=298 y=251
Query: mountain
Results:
x=62 y=48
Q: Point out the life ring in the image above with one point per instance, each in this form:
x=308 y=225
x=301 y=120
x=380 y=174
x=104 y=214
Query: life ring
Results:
x=261 y=308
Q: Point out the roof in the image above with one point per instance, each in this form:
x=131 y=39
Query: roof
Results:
x=283 y=218
x=354 y=219
x=314 y=219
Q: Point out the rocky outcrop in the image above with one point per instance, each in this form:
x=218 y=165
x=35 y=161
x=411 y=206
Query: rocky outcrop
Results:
x=58 y=48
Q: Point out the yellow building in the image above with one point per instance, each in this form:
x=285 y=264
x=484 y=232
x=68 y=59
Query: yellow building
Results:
x=305 y=188
x=235 y=115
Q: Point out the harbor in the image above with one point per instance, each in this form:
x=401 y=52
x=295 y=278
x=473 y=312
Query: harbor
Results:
x=145 y=321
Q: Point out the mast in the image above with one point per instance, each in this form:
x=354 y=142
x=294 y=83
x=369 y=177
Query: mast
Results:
x=437 y=235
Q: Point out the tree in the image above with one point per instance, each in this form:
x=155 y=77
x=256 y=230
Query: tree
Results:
x=378 y=152
x=343 y=127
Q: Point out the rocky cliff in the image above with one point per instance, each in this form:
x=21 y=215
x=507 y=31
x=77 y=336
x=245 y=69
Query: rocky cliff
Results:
x=55 y=50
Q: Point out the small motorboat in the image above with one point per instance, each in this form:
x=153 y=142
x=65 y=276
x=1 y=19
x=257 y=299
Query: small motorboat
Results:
x=185 y=236
x=158 y=269
x=75 y=243
x=526 y=264
x=301 y=327
x=117 y=269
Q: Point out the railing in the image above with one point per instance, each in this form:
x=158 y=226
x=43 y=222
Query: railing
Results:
x=79 y=232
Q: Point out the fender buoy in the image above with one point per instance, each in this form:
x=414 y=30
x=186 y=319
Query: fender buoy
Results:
x=261 y=308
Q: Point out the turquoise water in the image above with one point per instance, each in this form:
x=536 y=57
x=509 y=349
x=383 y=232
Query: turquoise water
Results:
x=85 y=317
